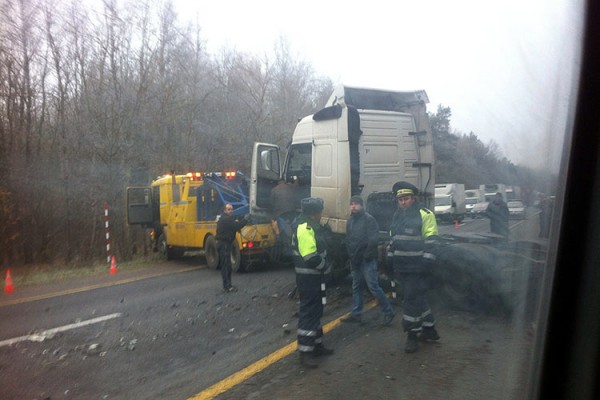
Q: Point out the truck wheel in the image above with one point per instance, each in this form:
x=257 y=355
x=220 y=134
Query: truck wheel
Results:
x=163 y=248
x=236 y=258
x=211 y=254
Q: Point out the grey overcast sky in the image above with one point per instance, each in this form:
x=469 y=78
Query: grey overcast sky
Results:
x=505 y=68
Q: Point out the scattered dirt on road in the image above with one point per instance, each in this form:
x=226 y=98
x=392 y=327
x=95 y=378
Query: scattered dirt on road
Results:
x=478 y=357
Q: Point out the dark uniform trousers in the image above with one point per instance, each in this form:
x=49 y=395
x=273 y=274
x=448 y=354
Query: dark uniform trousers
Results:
x=310 y=331
x=224 y=249
x=416 y=310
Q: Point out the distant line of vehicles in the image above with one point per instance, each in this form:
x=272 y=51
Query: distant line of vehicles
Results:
x=454 y=203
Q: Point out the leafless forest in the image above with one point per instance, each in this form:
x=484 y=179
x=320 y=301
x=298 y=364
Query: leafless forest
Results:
x=98 y=97
x=93 y=99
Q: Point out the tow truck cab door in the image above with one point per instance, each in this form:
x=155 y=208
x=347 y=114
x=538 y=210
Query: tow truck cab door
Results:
x=264 y=175
x=140 y=206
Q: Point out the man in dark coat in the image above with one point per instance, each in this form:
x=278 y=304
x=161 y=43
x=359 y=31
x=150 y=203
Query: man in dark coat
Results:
x=285 y=200
x=227 y=227
x=362 y=239
x=497 y=212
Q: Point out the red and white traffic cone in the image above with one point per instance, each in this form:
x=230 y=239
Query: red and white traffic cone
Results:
x=8 y=283
x=113 y=266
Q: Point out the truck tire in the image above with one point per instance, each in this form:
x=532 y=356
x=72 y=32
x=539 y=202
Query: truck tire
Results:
x=211 y=254
x=164 y=250
x=236 y=258
x=161 y=245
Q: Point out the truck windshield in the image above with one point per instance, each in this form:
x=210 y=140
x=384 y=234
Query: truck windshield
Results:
x=443 y=201
x=299 y=163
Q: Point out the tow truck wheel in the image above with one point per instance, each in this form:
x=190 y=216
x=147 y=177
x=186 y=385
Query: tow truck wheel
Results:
x=168 y=252
x=163 y=248
x=236 y=258
x=211 y=253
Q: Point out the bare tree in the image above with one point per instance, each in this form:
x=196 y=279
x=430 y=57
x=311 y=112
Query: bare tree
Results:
x=94 y=99
x=295 y=92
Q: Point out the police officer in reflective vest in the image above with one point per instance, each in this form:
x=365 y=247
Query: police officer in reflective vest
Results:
x=413 y=233
x=310 y=264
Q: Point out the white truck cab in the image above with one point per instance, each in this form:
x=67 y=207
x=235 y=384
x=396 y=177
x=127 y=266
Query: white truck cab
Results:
x=361 y=143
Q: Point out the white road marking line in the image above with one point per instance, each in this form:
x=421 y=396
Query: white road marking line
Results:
x=48 y=333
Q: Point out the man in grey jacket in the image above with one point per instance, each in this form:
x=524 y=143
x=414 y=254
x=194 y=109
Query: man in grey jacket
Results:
x=362 y=238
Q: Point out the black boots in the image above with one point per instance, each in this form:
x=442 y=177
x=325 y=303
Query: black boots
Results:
x=412 y=344
x=307 y=359
x=426 y=335
x=429 y=335
x=321 y=350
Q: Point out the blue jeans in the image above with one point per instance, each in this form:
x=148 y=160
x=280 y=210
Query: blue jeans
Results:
x=367 y=273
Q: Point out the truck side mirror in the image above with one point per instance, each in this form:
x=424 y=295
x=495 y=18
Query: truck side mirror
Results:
x=267 y=161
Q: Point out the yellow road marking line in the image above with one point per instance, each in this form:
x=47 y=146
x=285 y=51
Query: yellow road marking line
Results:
x=92 y=287
x=256 y=367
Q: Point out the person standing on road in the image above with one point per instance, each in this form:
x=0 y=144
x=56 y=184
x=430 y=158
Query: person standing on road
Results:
x=413 y=234
x=285 y=200
x=362 y=238
x=227 y=227
x=497 y=212
x=310 y=265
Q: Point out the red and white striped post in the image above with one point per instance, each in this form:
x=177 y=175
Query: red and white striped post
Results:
x=107 y=231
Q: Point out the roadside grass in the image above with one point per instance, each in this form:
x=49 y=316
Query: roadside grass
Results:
x=29 y=275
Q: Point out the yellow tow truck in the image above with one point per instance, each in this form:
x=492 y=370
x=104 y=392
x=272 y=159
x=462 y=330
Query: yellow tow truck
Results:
x=181 y=212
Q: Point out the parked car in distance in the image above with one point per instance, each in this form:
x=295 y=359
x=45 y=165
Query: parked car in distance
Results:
x=478 y=210
x=469 y=204
x=516 y=209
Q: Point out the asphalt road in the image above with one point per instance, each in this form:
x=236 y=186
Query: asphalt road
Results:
x=169 y=332
x=174 y=335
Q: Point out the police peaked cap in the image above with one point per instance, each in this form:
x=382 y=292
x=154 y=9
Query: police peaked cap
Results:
x=311 y=205
x=403 y=188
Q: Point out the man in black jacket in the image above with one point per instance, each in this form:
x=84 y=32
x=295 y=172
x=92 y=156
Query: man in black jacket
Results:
x=497 y=212
x=227 y=227
x=362 y=238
